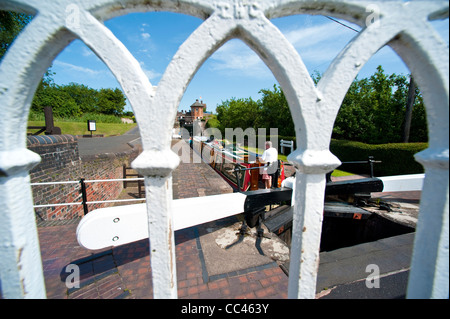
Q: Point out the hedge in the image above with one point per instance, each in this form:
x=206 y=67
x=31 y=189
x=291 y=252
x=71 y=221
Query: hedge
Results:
x=396 y=158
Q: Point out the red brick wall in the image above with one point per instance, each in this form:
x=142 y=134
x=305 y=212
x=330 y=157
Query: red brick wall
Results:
x=61 y=162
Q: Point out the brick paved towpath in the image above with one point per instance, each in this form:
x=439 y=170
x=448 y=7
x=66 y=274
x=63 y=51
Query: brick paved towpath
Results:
x=125 y=272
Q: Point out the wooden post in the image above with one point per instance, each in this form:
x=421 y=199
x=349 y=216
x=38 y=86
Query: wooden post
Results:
x=48 y=114
x=124 y=170
x=50 y=128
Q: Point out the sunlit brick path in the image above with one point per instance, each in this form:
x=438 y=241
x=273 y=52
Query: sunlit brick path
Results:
x=124 y=272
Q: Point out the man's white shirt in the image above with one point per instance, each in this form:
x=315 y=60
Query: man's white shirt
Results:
x=270 y=156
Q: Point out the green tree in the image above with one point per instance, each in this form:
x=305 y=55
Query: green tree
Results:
x=386 y=96
x=213 y=122
x=373 y=111
x=275 y=112
x=74 y=100
x=235 y=113
x=419 y=129
x=111 y=101
x=11 y=24
x=353 y=120
x=85 y=97
x=62 y=103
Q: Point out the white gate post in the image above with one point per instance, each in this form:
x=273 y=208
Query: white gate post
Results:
x=306 y=233
x=430 y=260
x=311 y=168
x=157 y=167
x=21 y=274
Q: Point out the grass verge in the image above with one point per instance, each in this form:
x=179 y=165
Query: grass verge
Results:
x=80 y=128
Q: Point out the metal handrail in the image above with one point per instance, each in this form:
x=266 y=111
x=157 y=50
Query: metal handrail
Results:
x=91 y=181
x=84 y=201
x=370 y=161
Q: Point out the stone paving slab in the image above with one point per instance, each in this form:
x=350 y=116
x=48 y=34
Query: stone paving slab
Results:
x=226 y=250
x=349 y=264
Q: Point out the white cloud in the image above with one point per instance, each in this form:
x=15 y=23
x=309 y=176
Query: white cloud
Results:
x=76 y=68
x=319 y=43
x=86 y=52
x=316 y=44
x=312 y=35
x=235 y=57
x=145 y=35
x=142 y=29
x=151 y=74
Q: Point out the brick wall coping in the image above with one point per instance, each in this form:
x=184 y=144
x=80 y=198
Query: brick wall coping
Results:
x=88 y=158
x=33 y=140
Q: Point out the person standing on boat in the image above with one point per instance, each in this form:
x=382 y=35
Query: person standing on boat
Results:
x=270 y=157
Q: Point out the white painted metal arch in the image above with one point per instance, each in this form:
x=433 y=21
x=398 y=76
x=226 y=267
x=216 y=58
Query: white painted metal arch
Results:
x=403 y=25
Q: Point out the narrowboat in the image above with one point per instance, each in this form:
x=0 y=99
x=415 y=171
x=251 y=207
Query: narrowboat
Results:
x=240 y=168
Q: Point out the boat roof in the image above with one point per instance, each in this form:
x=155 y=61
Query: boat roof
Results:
x=234 y=152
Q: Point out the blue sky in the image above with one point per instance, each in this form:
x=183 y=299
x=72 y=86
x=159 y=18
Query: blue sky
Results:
x=232 y=71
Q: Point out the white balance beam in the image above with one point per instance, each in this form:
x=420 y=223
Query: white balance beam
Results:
x=119 y=225
x=403 y=183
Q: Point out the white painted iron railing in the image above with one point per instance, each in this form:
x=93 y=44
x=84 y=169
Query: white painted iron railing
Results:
x=86 y=202
x=402 y=25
